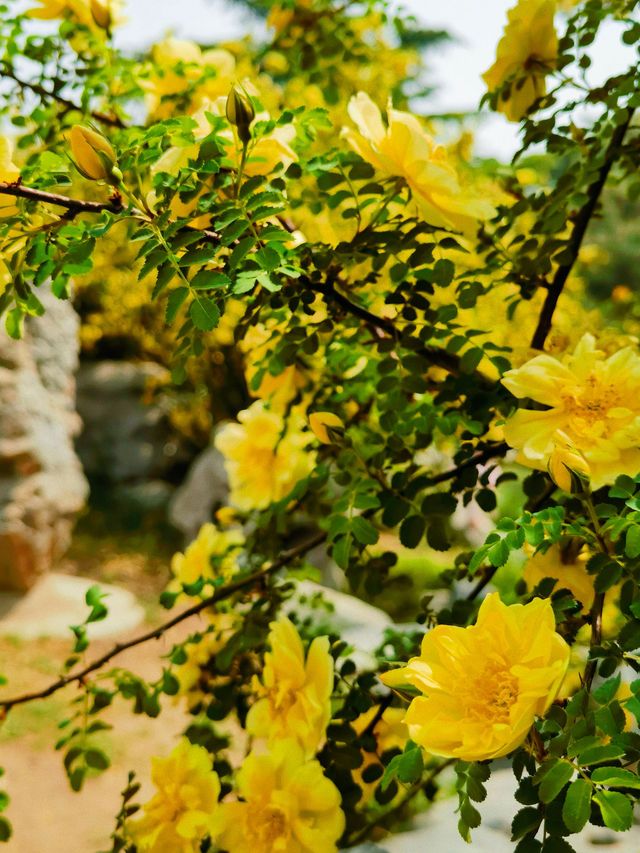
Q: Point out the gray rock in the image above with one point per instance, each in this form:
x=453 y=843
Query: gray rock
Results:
x=42 y=486
x=204 y=488
x=123 y=440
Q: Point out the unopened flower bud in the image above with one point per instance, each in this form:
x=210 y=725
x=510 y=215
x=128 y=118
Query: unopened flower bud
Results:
x=101 y=13
x=240 y=112
x=93 y=155
x=326 y=426
x=567 y=467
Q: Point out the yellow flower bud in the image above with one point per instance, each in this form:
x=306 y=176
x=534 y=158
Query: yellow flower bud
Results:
x=240 y=112
x=101 y=13
x=325 y=426
x=567 y=467
x=93 y=155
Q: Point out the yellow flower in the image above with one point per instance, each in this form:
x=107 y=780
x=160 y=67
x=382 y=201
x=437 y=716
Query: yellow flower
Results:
x=527 y=52
x=569 y=569
x=185 y=808
x=405 y=150
x=93 y=155
x=9 y=173
x=593 y=399
x=212 y=554
x=295 y=695
x=179 y=67
x=265 y=456
x=324 y=425
x=484 y=685
x=288 y=806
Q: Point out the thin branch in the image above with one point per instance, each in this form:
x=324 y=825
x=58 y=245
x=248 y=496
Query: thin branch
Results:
x=220 y=595
x=490 y=452
x=577 y=235
x=73 y=205
x=38 y=89
x=435 y=355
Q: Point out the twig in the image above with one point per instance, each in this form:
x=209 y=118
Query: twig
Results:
x=38 y=89
x=490 y=452
x=580 y=226
x=220 y=594
x=73 y=205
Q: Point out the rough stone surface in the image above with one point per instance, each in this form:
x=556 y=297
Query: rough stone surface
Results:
x=42 y=486
x=123 y=440
x=204 y=488
x=436 y=830
x=58 y=601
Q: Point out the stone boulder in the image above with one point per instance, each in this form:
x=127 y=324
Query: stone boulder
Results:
x=204 y=489
x=42 y=486
x=122 y=439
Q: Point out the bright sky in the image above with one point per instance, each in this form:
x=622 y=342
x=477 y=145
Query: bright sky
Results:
x=476 y=26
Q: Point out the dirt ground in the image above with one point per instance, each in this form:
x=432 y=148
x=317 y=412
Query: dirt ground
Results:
x=47 y=817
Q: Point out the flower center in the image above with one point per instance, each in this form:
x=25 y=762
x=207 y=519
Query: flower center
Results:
x=593 y=403
x=490 y=695
x=267 y=826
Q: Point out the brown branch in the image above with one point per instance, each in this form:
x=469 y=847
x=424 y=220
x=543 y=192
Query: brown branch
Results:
x=73 y=205
x=435 y=355
x=220 y=595
x=38 y=89
x=490 y=452
x=579 y=229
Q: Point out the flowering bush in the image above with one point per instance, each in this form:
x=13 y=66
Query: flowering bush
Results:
x=412 y=368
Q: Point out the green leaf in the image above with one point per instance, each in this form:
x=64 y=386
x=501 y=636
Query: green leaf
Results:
x=526 y=822
x=577 y=805
x=598 y=754
x=615 y=777
x=5 y=829
x=209 y=279
x=364 y=531
x=165 y=273
x=607 y=690
x=13 y=323
x=410 y=766
x=554 y=780
x=204 y=313
x=632 y=542
x=498 y=554
x=97 y=759
x=412 y=531
x=617 y=810
x=174 y=302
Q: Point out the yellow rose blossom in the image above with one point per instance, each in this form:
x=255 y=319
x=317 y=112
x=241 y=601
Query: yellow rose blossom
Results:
x=288 y=806
x=567 y=467
x=295 y=694
x=527 y=52
x=405 y=150
x=265 y=456
x=93 y=154
x=212 y=554
x=567 y=567
x=593 y=399
x=483 y=686
x=184 y=810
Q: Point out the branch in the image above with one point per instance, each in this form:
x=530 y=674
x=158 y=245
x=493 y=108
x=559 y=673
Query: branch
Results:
x=38 y=89
x=73 y=205
x=437 y=356
x=579 y=229
x=220 y=595
x=489 y=452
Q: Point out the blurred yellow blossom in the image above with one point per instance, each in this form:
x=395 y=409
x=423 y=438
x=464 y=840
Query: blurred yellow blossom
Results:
x=288 y=805
x=390 y=732
x=567 y=567
x=9 y=173
x=404 y=149
x=484 y=685
x=593 y=399
x=184 y=809
x=265 y=455
x=193 y=676
x=212 y=554
x=294 y=697
x=527 y=52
